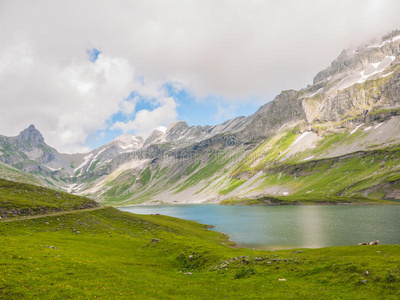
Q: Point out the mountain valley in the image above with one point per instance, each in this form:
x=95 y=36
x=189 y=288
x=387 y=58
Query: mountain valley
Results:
x=339 y=137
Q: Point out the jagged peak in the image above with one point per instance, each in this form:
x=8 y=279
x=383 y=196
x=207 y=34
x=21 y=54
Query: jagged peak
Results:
x=31 y=134
x=126 y=141
x=177 y=124
x=154 y=136
x=128 y=138
x=157 y=132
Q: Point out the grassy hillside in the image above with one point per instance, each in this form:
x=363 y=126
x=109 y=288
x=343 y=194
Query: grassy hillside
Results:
x=109 y=254
x=338 y=166
x=18 y=199
x=11 y=173
x=359 y=174
x=332 y=166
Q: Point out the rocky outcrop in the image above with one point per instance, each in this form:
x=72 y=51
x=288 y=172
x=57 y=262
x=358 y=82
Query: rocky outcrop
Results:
x=391 y=189
x=153 y=137
x=377 y=242
x=285 y=108
x=356 y=59
x=30 y=136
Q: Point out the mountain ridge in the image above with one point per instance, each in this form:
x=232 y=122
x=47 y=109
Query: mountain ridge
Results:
x=346 y=110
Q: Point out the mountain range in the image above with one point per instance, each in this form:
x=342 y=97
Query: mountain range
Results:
x=339 y=137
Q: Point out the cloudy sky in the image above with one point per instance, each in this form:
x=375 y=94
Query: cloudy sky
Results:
x=87 y=71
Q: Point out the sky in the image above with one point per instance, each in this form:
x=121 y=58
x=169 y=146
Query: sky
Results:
x=84 y=72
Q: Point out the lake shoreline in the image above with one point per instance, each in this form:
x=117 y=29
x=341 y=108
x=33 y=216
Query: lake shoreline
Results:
x=291 y=200
x=281 y=200
x=289 y=226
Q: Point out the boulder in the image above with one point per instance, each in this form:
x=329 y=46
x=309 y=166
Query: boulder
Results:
x=374 y=242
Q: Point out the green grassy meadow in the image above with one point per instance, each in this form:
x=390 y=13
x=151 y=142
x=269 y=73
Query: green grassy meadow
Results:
x=110 y=254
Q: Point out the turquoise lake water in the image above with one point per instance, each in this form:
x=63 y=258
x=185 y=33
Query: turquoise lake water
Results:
x=282 y=227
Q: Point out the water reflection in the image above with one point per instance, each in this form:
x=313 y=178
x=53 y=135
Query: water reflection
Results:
x=282 y=227
x=311 y=223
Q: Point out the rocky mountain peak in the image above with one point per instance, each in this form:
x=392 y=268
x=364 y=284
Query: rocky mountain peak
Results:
x=31 y=135
x=351 y=60
x=391 y=35
x=154 y=136
x=177 y=126
x=129 y=141
x=127 y=138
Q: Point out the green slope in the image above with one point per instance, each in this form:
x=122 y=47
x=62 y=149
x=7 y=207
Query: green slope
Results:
x=21 y=199
x=11 y=173
x=109 y=254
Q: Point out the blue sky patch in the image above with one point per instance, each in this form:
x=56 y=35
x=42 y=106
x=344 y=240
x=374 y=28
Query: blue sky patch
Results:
x=93 y=54
x=195 y=111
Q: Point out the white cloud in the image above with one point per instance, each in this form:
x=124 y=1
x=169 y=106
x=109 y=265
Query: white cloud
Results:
x=237 y=50
x=163 y=129
x=144 y=121
x=67 y=102
x=127 y=107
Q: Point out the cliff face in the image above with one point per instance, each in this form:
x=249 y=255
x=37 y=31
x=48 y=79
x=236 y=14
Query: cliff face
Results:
x=351 y=60
x=285 y=108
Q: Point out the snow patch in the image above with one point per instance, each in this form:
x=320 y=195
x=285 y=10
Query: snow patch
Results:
x=126 y=138
x=378 y=67
x=127 y=141
x=285 y=193
x=51 y=169
x=126 y=147
x=69 y=188
x=303 y=135
x=386 y=75
x=86 y=159
x=396 y=38
x=378 y=125
x=355 y=129
x=94 y=159
x=368 y=128
x=367 y=72
x=128 y=166
x=308 y=158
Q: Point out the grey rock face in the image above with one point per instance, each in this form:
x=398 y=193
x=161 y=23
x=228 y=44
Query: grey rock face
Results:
x=153 y=137
x=351 y=60
x=31 y=136
x=29 y=152
x=391 y=90
x=176 y=129
x=285 y=108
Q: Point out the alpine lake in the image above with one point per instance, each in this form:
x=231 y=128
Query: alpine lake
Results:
x=291 y=226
